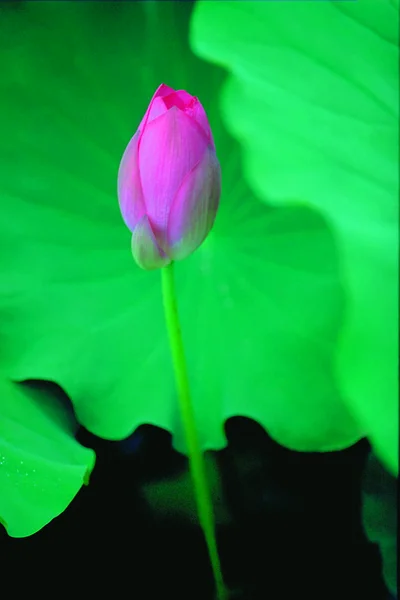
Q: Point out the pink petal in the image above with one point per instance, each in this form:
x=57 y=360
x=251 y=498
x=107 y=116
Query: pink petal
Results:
x=130 y=194
x=161 y=91
x=194 y=208
x=197 y=112
x=193 y=108
x=146 y=252
x=170 y=147
x=156 y=110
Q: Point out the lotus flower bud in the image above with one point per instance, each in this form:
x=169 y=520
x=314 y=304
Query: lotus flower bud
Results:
x=169 y=180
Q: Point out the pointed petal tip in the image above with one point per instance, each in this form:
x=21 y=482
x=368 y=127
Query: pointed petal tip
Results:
x=161 y=91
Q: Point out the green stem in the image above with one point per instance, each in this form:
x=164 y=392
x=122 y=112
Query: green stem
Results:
x=196 y=459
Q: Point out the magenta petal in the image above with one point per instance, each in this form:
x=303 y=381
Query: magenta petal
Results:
x=169 y=149
x=146 y=252
x=181 y=99
x=130 y=194
x=194 y=208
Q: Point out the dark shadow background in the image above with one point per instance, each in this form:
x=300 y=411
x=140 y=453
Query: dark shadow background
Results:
x=296 y=530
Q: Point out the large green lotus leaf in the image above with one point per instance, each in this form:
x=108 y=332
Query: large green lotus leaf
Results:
x=313 y=97
x=42 y=466
x=261 y=302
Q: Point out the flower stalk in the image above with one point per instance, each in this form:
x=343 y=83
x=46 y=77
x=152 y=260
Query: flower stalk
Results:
x=196 y=458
